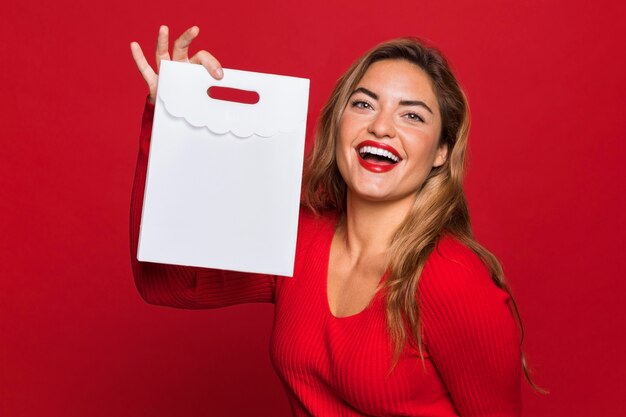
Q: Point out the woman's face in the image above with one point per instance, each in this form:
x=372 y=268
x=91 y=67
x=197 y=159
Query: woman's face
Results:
x=389 y=133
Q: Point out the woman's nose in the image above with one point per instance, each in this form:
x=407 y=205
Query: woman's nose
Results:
x=382 y=125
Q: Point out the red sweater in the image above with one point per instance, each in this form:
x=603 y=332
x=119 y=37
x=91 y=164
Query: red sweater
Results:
x=338 y=366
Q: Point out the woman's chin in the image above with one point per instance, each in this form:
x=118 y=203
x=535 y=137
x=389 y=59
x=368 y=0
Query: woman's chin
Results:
x=376 y=195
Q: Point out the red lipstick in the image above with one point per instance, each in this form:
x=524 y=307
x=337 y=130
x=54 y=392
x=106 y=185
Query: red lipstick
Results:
x=377 y=166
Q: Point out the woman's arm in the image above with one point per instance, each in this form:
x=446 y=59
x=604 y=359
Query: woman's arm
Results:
x=470 y=333
x=171 y=285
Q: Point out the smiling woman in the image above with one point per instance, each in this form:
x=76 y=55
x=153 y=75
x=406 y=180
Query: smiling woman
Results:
x=394 y=308
x=402 y=98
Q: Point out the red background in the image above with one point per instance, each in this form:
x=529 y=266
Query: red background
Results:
x=546 y=87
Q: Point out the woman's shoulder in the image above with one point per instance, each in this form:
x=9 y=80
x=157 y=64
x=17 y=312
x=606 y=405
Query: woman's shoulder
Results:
x=451 y=252
x=315 y=231
x=310 y=221
x=455 y=271
x=315 y=227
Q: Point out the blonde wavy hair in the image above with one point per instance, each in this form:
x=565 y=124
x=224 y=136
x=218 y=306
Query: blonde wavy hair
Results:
x=440 y=206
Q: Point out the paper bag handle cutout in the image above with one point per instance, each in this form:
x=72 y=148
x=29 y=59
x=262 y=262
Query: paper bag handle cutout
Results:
x=234 y=95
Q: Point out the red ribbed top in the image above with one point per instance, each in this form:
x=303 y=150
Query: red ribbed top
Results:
x=333 y=366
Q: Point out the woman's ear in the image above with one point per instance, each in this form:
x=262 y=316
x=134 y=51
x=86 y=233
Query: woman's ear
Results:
x=442 y=156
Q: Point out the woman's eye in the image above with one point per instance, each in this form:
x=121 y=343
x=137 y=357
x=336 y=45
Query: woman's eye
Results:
x=415 y=116
x=361 y=104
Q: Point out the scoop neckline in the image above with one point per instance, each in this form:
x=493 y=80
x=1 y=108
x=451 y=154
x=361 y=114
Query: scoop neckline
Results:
x=329 y=243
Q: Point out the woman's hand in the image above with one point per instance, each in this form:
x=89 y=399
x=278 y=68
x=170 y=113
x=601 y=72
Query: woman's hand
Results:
x=179 y=53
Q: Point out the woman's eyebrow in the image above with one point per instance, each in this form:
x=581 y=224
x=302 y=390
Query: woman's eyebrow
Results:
x=366 y=92
x=415 y=103
x=402 y=102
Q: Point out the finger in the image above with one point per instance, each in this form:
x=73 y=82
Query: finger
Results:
x=162 y=47
x=181 y=45
x=209 y=62
x=144 y=68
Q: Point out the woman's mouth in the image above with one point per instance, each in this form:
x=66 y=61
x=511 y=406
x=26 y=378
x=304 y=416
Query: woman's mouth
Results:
x=377 y=157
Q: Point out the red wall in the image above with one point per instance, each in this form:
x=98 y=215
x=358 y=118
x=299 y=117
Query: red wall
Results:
x=546 y=86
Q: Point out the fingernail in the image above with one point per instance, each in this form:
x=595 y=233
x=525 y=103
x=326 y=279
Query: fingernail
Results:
x=219 y=73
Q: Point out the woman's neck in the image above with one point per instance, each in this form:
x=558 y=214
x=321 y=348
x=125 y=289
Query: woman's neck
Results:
x=369 y=226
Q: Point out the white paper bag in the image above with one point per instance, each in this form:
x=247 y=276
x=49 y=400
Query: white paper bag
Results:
x=223 y=182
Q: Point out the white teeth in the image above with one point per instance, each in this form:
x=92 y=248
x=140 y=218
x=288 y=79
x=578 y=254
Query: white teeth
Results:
x=378 y=151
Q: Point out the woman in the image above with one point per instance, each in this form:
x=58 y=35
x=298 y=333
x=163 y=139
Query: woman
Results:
x=393 y=309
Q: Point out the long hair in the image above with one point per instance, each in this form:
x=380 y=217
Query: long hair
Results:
x=440 y=206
